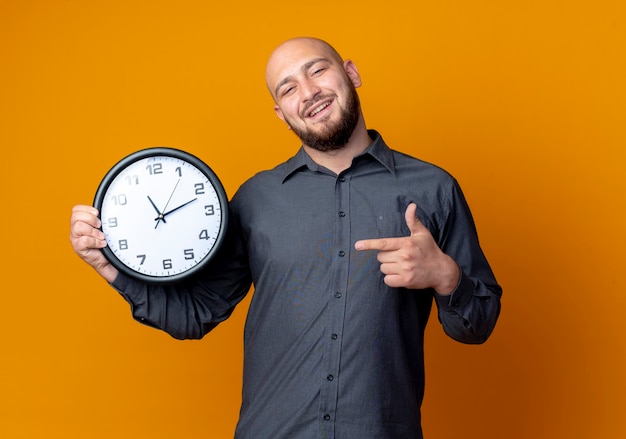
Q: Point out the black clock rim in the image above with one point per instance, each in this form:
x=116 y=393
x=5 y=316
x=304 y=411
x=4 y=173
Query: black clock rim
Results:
x=181 y=155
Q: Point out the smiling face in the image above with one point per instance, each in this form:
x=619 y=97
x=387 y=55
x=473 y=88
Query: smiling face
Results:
x=315 y=92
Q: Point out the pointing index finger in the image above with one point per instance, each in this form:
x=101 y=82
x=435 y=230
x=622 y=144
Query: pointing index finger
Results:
x=377 y=244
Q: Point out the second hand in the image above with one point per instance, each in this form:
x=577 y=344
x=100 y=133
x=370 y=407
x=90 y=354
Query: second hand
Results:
x=160 y=217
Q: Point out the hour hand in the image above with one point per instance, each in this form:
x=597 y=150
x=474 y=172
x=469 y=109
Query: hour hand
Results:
x=161 y=216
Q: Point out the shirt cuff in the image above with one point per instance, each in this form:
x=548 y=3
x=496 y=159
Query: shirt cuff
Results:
x=121 y=282
x=460 y=297
x=128 y=289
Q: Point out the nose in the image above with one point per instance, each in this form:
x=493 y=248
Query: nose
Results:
x=309 y=90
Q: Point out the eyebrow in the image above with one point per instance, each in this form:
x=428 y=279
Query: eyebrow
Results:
x=306 y=66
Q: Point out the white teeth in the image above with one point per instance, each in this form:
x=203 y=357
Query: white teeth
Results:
x=318 y=109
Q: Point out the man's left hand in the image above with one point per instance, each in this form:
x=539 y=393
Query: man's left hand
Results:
x=414 y=261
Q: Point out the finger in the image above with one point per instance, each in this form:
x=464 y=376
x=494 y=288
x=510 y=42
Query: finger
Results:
x=84 y=224
x=378 y=244
x=85 y=214
x=412 y=221
x=393 y=281
x=84 y=244
x=388 y=268
x=82 y=228
x=86 y=209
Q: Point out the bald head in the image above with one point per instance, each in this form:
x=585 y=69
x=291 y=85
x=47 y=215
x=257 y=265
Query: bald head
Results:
x=291 y=54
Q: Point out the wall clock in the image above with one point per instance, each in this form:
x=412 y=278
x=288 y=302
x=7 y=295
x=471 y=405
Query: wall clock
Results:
x=164 y=213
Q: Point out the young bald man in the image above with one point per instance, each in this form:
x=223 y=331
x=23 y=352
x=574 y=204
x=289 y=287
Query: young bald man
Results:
x=348 y=243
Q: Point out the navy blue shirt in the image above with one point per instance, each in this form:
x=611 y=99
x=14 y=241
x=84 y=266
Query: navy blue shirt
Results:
x=330 y=350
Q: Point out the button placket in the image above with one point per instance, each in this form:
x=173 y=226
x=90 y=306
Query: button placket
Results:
x=336 y=309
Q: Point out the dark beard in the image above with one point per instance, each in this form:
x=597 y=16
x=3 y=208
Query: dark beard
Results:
x=335 y=136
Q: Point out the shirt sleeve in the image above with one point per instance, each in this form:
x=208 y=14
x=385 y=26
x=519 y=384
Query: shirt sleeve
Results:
x=190 y=309
x=470 y=313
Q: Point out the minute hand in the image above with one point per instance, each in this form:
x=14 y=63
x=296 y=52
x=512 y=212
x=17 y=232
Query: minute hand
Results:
x=173 y=210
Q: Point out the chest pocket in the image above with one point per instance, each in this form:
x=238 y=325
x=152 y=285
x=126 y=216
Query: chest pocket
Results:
x=389 y=223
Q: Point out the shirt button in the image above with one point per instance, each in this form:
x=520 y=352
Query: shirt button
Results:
x=342 y=214
x=330 y=377
x=342 y=179
x=334 y=336
x=326 y=417
x=342 y=253
x=338 y=294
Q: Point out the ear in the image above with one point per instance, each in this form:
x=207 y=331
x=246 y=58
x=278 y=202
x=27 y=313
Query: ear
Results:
x=279 y=112
x=352 y=73
x=280 y=115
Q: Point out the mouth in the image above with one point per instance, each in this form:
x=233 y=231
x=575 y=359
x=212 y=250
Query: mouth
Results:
x=317 y=109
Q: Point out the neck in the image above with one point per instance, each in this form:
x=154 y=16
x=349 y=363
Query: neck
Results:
x=339 y=160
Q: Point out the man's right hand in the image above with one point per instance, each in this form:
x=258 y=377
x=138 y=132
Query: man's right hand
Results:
x=87 y=240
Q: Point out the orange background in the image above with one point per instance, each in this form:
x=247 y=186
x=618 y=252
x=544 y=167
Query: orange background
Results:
x=523 y=101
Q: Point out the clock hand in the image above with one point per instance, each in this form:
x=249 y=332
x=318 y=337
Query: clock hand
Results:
x=163 y=215
x=160 y=217
x=156 y=208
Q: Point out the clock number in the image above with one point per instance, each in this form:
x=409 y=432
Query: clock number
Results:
x=199 y=188
x=155 y=168
x=179 y=171
x=204 y=234
x=189 y=253
x=209 y=210
x=143 y=259
x=130 y=179
x=112 y=222
x=120 y=200
x=167 y=264
x=123 y=244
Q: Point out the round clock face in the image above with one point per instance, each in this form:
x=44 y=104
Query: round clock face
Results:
x=164 y=214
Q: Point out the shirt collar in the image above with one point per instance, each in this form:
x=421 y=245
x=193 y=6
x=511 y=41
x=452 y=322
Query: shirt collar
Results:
x=378 y=150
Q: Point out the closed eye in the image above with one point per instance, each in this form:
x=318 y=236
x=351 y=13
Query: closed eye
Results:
x=287 y=90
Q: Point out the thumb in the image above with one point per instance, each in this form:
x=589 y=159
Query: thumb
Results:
x=412 y=221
